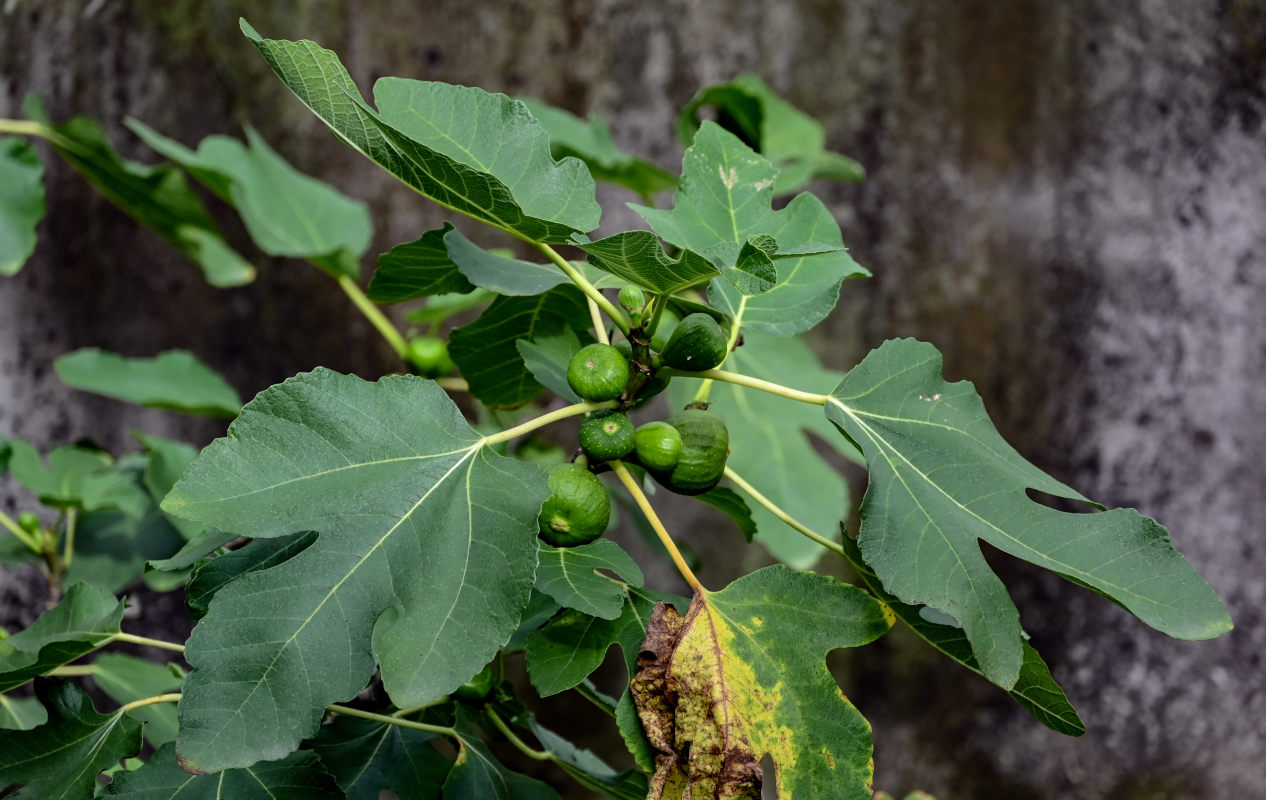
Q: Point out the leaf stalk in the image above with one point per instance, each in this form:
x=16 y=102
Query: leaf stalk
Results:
x=546 y=419
x=617 y=316
x=777 y=511
x=375 y=316
x=644 y=504
x=347 y=711
x=751 y=383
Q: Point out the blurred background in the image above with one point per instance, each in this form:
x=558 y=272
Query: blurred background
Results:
x=1068 y=199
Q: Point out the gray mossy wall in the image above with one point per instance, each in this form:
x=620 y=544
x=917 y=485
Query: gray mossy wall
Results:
x=1067 y=198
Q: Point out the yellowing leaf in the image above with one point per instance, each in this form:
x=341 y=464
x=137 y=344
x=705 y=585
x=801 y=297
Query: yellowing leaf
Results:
x=743 y=675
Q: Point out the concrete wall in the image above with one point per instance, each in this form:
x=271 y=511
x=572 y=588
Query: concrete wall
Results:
x=1067 y=198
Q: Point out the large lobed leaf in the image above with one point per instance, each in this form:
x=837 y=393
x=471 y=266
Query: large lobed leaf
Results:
x=60 y=760
x=424 y=560
x=21 y=202
x=743 y=676
x=286 y=212
x=724 y=198
x=477 y=153
x=174 y=379
x=941 y=477
x=770 y=447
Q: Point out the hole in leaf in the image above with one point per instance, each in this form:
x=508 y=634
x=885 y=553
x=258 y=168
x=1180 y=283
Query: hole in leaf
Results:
x=769 y=787
x=1064 y=504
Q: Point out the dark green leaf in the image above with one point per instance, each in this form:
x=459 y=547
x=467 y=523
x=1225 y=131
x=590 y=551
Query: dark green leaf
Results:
x=486 y=351
x=942 y=477
x=420 y=268
x=174 y=379
x=478 y=774
x=589 y=770
x=573 y=644
x=724 y=198
x=424 y=560
x=126 y=678
x=60 y=760
x=732 y=505
x=368 y=757
x=770 y=448
x=477 y=153
x=639 y=258
x=86 y=618
x=590 y=141
x=540 y=609
x=1035 y=689
x=570 y=575
x=791 y=139
x=21 y=713
x=547 y=357
x=261 y=554
x=286 y=212
x=299 y=776
x=21 y=202
x=77 y=477
x=157 y=197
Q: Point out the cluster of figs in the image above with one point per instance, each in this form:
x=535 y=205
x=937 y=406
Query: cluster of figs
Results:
x=685 y=453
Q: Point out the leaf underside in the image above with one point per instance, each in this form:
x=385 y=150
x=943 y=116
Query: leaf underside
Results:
x=477 y=153
x=941 y=477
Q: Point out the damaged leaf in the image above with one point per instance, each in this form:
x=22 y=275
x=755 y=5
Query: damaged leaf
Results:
x=743 y=675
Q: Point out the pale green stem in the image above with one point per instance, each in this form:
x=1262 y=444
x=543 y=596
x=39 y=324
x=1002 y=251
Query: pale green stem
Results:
x=639 y=497
x=375 y=316
x=71 y=671
x=21 y=534
x=346 y=711
x=24 y=127
x=538 y=755
x=173 y=697
x=777 y=511
x=599 y=329
x=617 y=316
x=146 y=641
x=546 y=419
x=404 y=712
x=705 y=388
x=751 y=383
x=68 y=552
